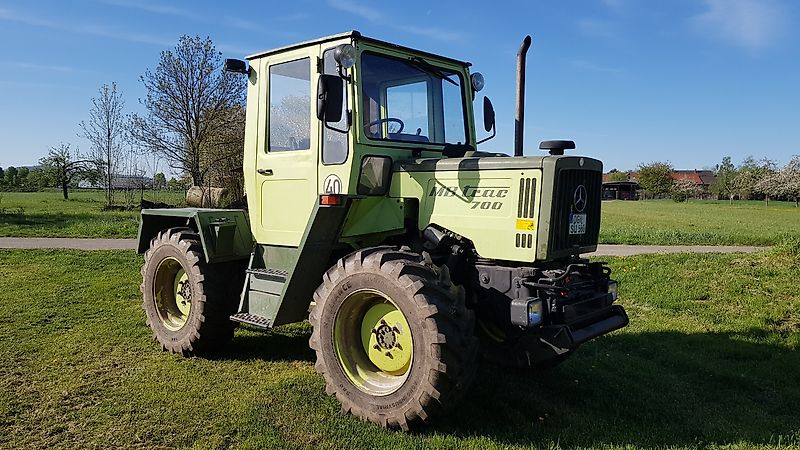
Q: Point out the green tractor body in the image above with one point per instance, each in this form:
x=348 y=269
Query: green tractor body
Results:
x=368 y=203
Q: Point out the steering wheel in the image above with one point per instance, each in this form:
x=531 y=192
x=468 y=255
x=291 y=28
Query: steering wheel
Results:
x=388 y=120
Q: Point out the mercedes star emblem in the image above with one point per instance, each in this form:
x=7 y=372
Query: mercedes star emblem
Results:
x=579 y=198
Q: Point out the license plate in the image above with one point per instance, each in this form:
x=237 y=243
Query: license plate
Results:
x=577 y=224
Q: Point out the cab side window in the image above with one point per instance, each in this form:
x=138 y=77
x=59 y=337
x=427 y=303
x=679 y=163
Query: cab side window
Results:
x=290 y=106
x=334 y=143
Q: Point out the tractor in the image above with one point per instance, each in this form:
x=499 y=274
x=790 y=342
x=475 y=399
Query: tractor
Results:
x=372 y=214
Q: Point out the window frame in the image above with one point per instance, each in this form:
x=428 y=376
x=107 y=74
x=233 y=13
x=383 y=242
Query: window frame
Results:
x=402 y=59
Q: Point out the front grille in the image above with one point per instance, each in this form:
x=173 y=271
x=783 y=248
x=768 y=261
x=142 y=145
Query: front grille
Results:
x=564 y=204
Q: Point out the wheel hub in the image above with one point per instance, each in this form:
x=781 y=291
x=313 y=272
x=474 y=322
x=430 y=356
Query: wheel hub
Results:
x=386 y=338
x=385 y=335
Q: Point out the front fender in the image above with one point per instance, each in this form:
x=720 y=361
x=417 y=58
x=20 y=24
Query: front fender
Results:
x=224 y=233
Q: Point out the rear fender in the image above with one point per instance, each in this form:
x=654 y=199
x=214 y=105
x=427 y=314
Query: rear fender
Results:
x=224 y=233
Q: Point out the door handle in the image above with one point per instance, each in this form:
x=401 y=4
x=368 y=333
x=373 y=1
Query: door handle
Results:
x=265 y=172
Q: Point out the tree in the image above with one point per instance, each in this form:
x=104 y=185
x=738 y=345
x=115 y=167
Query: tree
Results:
x=656 y=178
x=11 y=177
x=2 y=176
x=748 y=181
x=791 y=176
x=37 y=180
x=616 y=175
x=159 y=181
x=61 y=167
x=106 y=132
x=783 y=183
x=724 y=184
x=223 y=156
x=683 y=190
x=188 y=101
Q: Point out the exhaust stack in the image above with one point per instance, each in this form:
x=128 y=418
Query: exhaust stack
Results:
x=519 y=121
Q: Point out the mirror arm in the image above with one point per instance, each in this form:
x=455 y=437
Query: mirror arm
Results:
x=494 y=133
x=346 y=77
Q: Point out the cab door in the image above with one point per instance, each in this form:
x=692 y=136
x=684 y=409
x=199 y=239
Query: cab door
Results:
x=286 y=166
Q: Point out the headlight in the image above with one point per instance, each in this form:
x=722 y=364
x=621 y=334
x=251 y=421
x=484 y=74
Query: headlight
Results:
x=477 y=81
x=345 y=55
x=535 y=312
x=527 y=312
x=613 y=290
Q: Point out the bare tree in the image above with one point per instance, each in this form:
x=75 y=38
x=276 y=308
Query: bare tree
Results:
x=221 y=164
x=64 y=166
x=105 y=130
x=187 y=102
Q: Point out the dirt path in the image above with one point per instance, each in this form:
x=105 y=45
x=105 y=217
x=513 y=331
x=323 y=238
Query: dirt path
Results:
x=130 y=244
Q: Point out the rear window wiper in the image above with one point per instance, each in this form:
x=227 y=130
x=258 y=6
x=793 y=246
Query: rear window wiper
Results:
x=429 y=68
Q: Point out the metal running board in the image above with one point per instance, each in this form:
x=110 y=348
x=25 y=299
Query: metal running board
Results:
x=270 y=274
x=252 y=319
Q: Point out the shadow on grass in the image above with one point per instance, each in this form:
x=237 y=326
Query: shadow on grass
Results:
x=648 y=389
x=277 y=345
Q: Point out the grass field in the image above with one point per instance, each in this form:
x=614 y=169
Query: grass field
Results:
x=664 y=222
x=710 y=359
x=47 y=214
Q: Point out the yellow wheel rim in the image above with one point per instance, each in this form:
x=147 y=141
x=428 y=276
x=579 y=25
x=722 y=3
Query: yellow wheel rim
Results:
x=173 y=294
x=373 y=342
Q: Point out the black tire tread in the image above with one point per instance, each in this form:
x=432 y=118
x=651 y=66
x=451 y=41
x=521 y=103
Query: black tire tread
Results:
x=211 y=326
x=448 y=326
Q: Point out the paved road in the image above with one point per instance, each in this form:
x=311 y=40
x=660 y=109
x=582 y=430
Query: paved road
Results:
x=130 y=244
x=80 y=244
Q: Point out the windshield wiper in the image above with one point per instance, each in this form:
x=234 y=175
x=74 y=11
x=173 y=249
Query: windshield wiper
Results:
x=429 y=68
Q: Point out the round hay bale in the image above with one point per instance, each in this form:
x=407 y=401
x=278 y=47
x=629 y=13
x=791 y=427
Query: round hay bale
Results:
x=207 y=197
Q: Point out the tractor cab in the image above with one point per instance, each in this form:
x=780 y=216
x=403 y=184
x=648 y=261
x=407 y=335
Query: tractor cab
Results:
x=375 y=103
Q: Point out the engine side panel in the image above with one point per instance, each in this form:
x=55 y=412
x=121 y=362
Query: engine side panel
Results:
x=496 y=209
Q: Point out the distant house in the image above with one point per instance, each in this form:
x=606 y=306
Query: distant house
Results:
x=121 y=182
x=621 y=190
x=127 y=182
x=702 y=178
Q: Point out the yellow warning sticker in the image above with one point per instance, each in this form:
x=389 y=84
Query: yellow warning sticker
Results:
x=527 y=225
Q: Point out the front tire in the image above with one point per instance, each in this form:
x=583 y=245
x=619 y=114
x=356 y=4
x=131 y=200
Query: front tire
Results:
x=188 y=303
x=392 y=343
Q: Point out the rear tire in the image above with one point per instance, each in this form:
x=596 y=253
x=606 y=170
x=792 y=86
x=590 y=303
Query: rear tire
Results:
x=188 y=303
x=373 y=378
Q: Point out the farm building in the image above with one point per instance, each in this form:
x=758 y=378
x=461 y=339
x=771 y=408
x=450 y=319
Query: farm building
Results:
x=702 y=178
x=620 y=190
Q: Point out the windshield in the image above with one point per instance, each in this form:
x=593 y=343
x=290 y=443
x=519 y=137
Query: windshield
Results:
x=411 y=100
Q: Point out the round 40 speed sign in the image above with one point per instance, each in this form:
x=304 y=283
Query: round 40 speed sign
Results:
x=332 y=184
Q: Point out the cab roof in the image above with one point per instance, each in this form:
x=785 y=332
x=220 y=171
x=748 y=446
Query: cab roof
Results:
x=353 y=35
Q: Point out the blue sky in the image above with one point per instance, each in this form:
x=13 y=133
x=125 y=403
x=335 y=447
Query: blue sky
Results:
x=688 y=81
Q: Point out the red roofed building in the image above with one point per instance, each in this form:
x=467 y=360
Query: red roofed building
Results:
x=704 y=178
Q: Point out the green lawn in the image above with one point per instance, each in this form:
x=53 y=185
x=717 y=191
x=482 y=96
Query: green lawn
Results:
x=47 y=214
x=710 y=359
x=665 y=222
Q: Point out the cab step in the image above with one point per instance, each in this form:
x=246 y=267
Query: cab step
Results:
x=270 y=274
x=252 y=319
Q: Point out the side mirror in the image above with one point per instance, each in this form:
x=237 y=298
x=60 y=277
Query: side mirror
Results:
x=488 y=119
x=488 y=114
x=330 y=98
x=235 y=66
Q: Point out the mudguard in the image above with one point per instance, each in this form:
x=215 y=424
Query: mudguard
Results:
x=224 y=233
